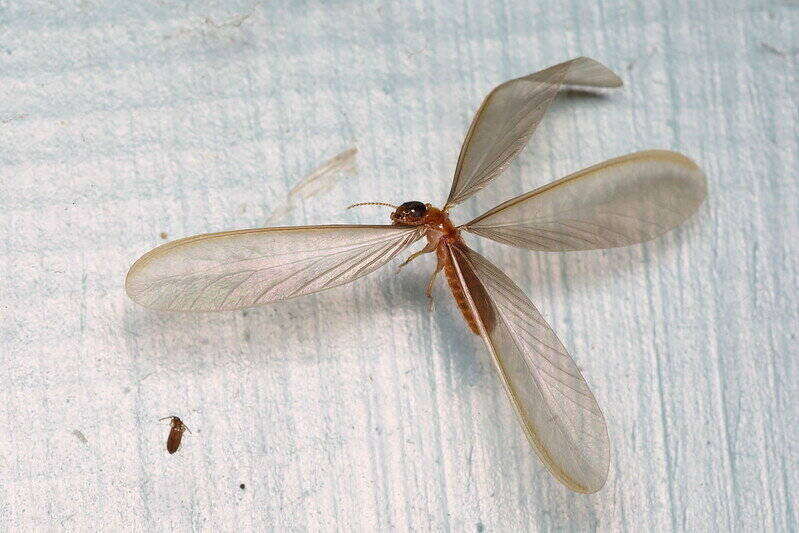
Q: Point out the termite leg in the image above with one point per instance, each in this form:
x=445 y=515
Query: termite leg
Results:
x=429 y=289
x=426 y=250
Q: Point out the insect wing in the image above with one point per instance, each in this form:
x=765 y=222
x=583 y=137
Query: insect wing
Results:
x=626 y=200
x=245 y=268
x=557 y=410
x=508 y=117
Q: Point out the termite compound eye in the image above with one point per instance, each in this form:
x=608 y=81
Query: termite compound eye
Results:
x=413 y=209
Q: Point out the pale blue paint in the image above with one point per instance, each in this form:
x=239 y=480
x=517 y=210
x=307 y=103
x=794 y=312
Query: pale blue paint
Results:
x=356 y=409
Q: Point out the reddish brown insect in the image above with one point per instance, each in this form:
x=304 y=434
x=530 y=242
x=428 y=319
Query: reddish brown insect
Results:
x=442 y=237
x=623 y=201
x=175 y=433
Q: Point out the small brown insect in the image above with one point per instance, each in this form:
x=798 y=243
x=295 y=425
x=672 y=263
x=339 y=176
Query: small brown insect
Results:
x=175 y=434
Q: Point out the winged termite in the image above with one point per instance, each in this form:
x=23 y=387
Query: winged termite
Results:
x=627 y=200
x=175 y=433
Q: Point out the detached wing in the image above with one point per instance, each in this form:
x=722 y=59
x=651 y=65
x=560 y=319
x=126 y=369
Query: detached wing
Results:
x=559 y=414
x=508 y=117
x=623 y=201
x=238 y=269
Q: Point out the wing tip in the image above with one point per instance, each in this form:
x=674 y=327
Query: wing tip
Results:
x=598 y=472
x=587 y=490
x=678 y=159
x=130 y=281
x=589 y=486
x=135 y=294
x=604 y=76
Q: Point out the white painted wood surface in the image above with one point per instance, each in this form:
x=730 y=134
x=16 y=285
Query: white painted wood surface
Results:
x=356 y=409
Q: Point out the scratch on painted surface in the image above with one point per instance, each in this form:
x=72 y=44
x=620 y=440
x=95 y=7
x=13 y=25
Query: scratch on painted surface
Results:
x=317 y=182
x=771 y=49
x=81 y=437
x=234 y=22
x=12 y=117
x=209 y=27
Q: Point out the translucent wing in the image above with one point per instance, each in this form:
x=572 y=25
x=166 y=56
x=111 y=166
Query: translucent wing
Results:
x=623 y=201
x=559 y=414
x=508 y=117
x=238 y=269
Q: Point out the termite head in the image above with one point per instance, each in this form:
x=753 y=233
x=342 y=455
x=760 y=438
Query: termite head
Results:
x=407 y=214
x=410 y=213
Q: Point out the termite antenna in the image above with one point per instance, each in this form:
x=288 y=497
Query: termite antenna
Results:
x=373 y=203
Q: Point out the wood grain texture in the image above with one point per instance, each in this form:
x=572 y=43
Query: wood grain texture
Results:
x=356 y=409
